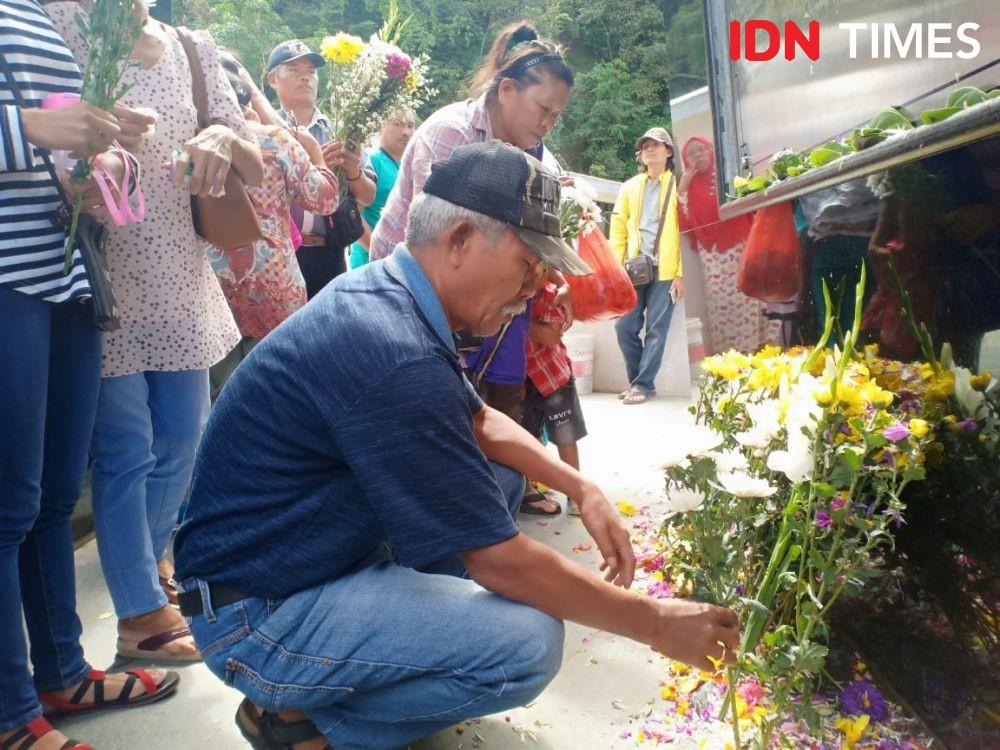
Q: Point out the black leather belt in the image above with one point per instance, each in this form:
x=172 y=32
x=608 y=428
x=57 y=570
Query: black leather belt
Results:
x=221 y=595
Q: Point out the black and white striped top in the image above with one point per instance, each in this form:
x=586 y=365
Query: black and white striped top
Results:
x=31 y=248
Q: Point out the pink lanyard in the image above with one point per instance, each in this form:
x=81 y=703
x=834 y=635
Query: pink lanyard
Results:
x=116 y=197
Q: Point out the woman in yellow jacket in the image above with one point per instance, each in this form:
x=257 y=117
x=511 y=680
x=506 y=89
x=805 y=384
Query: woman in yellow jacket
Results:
x=634 y=228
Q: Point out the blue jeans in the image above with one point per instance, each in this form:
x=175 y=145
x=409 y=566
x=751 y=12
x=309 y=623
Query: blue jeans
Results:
x=147 y=431
x=51 y=369
x=655 y=307
x=384 y=655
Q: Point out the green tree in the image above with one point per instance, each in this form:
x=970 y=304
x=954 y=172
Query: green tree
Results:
x=625 y=54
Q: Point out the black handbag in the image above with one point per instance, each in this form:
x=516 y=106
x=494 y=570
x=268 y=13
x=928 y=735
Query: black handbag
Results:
x=641 y=270
x=91 y=236
x=344 y=225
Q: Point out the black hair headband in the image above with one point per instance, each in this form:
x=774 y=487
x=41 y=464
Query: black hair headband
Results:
x=529 y=61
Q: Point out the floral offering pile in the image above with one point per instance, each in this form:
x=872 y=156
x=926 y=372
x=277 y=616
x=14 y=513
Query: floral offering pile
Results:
x=787 y=493
x=688 y=711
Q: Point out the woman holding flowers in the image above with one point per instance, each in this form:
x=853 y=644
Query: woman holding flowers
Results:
x=519 y=93
x=48 y=393
x=154 y=392
x=262 y=281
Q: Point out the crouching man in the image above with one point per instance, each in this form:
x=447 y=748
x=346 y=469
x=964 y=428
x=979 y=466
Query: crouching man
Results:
x=349 y=559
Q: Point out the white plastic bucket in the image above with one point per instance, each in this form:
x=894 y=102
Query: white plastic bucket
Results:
x=696 y=347
x=580 y=348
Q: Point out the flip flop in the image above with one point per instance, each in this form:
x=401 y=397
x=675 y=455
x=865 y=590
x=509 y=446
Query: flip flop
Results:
x=265 y=731
x=635 y=397
x=152 y=647
x=170 y=589
x=624 y=394
x=62 y=707
x=534 y=496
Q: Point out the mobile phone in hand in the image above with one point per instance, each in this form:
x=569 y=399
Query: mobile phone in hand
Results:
x=673 y=294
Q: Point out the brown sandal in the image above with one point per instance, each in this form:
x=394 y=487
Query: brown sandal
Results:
x=152 y=647
x=61 y=706
x=170 y=589
x=636 y=396
x=265 y=731
x=33 y=731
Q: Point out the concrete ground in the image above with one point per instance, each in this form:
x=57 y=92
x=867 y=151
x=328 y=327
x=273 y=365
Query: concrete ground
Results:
x=604 y=681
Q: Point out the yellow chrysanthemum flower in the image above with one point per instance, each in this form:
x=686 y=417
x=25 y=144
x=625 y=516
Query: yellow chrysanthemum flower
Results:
x=981 y=381
x=626 y=508
x=341 y=48
x=412 y=81
x=941 y=386
x=919 y=427
x=853 y=729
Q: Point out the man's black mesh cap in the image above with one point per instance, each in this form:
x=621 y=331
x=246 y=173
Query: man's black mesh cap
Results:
x=507 y=184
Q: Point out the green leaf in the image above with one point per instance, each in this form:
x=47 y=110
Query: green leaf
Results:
x=809 y=657
x=891 y=118
x=824 y=489
x=852 y=460
x=914 y=473
x=930 y=116
x=967 y=96
x=822 y=156
x=756 y=606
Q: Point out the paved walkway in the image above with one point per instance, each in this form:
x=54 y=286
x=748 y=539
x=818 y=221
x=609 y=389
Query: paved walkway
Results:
x=603 y=679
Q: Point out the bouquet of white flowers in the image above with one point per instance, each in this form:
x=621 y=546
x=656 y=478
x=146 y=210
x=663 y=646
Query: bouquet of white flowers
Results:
x=369 y=81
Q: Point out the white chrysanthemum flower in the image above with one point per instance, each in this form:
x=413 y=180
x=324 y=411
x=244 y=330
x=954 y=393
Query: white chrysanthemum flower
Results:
x=684 y=501
x=729 y=461
x=796 y=462
x=746 y=486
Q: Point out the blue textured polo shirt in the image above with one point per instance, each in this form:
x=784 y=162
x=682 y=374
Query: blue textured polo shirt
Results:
x=348 y=426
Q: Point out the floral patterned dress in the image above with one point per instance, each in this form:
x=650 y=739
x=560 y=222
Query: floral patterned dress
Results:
x=262 y=281
x=735 y=321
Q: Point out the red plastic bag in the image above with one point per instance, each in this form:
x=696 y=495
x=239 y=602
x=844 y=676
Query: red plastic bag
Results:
x=607 y=293
x=771 y=265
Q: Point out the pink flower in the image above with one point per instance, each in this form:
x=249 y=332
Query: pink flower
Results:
x=896 y=432
x=660 y=590
x=837 y=504
x=823 y=519
x=751 y=691
x=397 y=64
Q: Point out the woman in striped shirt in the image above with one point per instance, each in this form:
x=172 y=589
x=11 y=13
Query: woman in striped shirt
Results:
x=50 y=367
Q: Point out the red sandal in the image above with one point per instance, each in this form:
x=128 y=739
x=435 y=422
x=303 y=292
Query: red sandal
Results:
x=33 y=731
x=60 y=706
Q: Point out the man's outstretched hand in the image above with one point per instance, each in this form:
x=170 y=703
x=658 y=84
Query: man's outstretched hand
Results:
x=606 y=528
x=692 y=632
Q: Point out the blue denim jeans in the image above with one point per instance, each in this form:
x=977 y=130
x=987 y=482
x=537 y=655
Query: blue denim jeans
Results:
x=643 y=356
x=51 y=369
x=147 y=431
x=384 y=654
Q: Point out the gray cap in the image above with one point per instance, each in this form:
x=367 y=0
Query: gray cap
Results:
x=503 y=182
x=655 y=134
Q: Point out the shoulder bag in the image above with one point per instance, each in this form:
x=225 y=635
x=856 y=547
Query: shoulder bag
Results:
x=229 y=221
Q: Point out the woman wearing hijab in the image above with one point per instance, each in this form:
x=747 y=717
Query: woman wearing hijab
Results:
x=735 y=320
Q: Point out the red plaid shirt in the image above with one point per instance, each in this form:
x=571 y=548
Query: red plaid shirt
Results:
x=548 y=367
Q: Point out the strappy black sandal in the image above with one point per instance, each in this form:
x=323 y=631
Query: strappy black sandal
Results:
x=30 y=733
x=267 y=732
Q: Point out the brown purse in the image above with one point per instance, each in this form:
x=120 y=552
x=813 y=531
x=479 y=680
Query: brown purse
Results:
x=230 y=221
